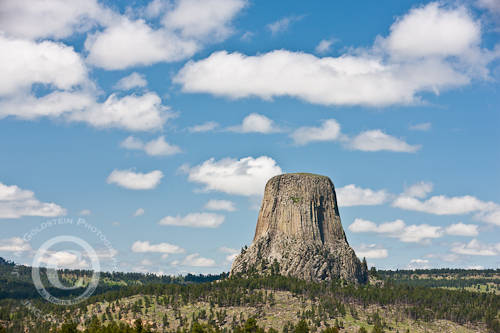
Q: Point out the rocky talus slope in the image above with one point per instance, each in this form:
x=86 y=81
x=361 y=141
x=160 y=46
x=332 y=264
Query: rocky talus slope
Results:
x=299 y=233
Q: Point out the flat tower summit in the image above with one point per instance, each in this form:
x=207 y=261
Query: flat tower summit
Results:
x=299 y=233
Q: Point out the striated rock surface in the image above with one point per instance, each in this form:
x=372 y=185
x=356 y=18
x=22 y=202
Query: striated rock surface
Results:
x=299 y=233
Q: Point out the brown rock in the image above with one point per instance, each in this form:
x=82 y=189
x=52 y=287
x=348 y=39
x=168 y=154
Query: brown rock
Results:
x=299 y=233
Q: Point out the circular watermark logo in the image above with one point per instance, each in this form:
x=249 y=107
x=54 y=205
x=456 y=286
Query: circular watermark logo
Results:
x=51 y=280
x=53 y=260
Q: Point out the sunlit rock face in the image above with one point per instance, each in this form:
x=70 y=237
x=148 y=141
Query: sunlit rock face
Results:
x=299 y=233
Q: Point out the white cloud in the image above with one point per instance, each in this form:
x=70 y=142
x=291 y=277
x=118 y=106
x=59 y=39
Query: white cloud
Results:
x=283 y=24
x=195 y=220
x=155 y=8
x=461 y=229
x=66 y=259
x=204 y=19
x=134 y=80
x=85 y=212
x=490 y=215
x=324 y=46
x=54 y=104
x=371 y=251
x=231 y=253
x=398 y=229
x=187 y=25
x=421 y=127
x=156 y=147
x=134 y=43
x=443 y=205
x=433 y=30
x=246 y=176
x=139 y=212
x=255 y=123
x=220 y=205
x=419 y=261
x=131 y=112
x=397 y=70
x=56 y=18
x=328 y=131
x=16 y=202
x=491 y=5
x=165 y=248
x=476 y=248
x=418 y=264
x=135 y=180
x=24 y=62
x=196 y=261
x=14 y=244
x=205 y=127
x=376 y=140
x=351 y=195
x=419 y=190
x=485 y=211
x=372 y=140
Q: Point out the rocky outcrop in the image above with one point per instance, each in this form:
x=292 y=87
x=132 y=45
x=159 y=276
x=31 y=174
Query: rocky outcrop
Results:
x=299 y=233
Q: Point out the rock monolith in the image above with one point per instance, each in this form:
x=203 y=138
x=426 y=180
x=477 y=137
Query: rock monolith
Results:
x=299 y=233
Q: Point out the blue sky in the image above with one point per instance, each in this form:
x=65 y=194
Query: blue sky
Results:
x=159 y=122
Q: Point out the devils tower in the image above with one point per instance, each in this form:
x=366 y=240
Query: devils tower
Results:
x=299 y=233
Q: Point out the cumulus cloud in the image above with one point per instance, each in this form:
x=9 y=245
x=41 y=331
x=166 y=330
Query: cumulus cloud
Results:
x=134 y=80
x=421 y=127
x=156 y=147
x=139 y=212
x=492 y=5
x=25 y=62
x=418 y=264
x=205 y=127
x=131 y=112
x=412 y=199
x=376 y=140
x=283 y=24
x=246 y=176
x=324 y=46
x=419 y=190
x=220 y=205
x=231 y=253
x=194 y=220
x=195 y=260
x=328 y=131
x=14 y=244
x=410 y=61
x=372 y=140
x=187 y=26
x=255 y=123
x=434 y=30
x=16 y=202
x=476 y=248
x=135 y=180
x=398 y=229
x=461 y=229
x=204 y=19
x=132 y=43
x=66 y=259
x=443 y=205
x=55 y=18
x=165 y=248
x=371 y=251
x=351 y=195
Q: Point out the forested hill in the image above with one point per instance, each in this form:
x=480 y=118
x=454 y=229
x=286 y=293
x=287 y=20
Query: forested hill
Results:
x=133 y=302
